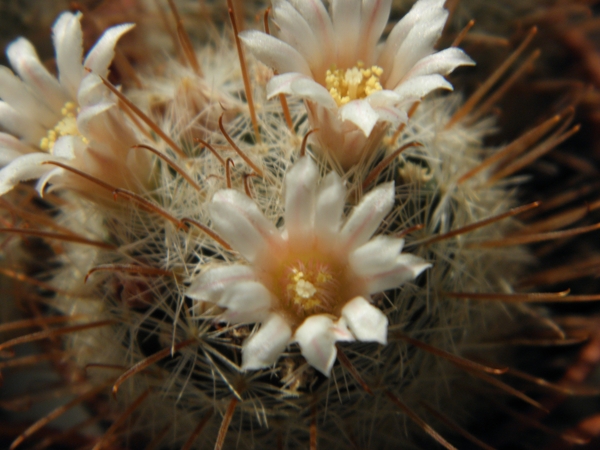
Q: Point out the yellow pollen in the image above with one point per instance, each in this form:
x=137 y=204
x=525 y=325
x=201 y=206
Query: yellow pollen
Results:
x=304 y=289
x=67 y=126
x=354 y=83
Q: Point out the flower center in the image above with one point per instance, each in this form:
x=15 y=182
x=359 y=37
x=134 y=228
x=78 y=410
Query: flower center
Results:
x=67 y=126
x=354 y=83
x=309 y=288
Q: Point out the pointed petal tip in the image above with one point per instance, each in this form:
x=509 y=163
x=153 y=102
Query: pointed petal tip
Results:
x=317 y=336
x=418 y=269
x=367 y=322
x=263 y=348
x=361 y=114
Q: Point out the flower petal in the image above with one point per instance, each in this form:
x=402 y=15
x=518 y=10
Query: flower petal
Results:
x=8 y=155
x=274 y=53
x=24 y=168
x=91 y=91
x=330 y=205
x=90 y=122
x=367 y=215
x=210 y=284
x=366 y=322
x=442 y=62
x=296 y=31
x=417 y=45
x=392 y=115
x=421 y=11
x=383 y=98
x=302 y=86
x=318 y=18
x=264 y=347
x=238 y=220
x=68 y=43
x=14 y=92
x=407 y=267
x=360 y=113
x=345 y=15
x=316 y=337
x=40 y=186
x=377 y=255
x=11 y=148
x=19 y=125
x=26 y=63
x=101 y=55
x=246 y=302
x=374 y=18
x=68 y=147
x=300 y=197
x=104 y=123
x=419 y=87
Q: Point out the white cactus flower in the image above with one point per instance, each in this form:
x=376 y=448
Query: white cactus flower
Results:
x=351 y=85
x=72 y=119
x=310 y=282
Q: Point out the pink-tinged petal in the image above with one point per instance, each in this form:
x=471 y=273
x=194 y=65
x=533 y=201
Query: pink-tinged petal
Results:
x=8 y=155
x=366 y=322
x=210 y=284
x=91 y=123
x=91 y=91
x=377 y=255
x=264 y=347
x=392 y=115
x=353 y=147
x=101 y=55
x=442 y=62
x=319 y=21
x=24 y=168
x=317 y=336
x=68 y=43
x=282 y=84
x=345 y=15
x=383 y=98
x=330 y=206
x=9 y=143
x=367 y=216
x=300 y=197
x=20 y=125
x=67 y=147
x=341 y=331
x=360 y=113
x=26 y=63
x=296 y=31
x=246 y=302
x=104 y=123
x=374 y=18
x=421 y=10
x=417 y=45
x=237 y=219
x=407 y=267
x=419 y=87
x=14 y=92
x=274 y=53
x=302 y=86
x=40 y=186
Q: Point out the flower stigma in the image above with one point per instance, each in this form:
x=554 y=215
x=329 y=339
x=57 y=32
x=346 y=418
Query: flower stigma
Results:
x=308 y=288
x=67 y=126
x=354 y=83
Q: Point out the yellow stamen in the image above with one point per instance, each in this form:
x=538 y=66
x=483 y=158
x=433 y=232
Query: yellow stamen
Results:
x=354 y=83
x=305 y=290
x=67 y=126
